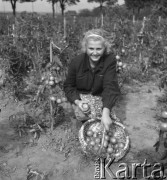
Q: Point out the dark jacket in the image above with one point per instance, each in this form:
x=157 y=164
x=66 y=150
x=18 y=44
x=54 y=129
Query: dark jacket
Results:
x=100 y=82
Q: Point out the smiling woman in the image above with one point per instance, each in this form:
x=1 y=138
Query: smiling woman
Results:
x=95 y=50
x=93 y=73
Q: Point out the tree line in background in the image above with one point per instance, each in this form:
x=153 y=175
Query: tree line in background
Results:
x=130 y=7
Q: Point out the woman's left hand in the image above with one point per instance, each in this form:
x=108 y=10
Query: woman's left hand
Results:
x=105 y=119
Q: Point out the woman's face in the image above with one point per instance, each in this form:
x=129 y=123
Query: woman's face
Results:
x=95 y=49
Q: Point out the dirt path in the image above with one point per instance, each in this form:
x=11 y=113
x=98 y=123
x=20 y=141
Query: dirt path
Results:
x=59 y=155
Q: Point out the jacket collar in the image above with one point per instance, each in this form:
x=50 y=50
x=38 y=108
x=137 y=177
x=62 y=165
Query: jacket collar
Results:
x=86 y=64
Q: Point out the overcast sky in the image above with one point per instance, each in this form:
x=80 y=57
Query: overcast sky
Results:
x=44 y=6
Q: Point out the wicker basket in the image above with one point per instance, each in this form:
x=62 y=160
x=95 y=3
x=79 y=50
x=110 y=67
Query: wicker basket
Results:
x=95 y=125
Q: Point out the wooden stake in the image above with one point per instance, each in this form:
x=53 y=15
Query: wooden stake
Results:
x=102 y=20
x=51 y=117
x=51 y=58
x=96 y=22
x=140 y=57
x=114 y=27
x=133 y=19
x=143 y=25
x=65 y=30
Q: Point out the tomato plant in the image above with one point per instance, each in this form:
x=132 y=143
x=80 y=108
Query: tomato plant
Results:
x=29 y=71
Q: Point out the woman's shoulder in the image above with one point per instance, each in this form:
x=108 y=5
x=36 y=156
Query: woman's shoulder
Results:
x=78 y=58
x=110 y=58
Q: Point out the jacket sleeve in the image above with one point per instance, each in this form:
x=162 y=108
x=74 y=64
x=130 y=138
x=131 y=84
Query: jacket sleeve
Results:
x=111 y=89
x=70 y=83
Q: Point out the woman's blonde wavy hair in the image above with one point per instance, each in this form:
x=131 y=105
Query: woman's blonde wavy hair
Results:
x=96 y=34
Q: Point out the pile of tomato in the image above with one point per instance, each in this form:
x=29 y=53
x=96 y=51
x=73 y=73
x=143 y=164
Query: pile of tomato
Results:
x=109 y=145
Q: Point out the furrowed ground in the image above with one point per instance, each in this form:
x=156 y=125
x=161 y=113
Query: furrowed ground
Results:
x=59 y=155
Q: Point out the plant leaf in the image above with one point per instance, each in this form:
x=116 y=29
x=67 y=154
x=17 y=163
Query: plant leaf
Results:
x=57 y=61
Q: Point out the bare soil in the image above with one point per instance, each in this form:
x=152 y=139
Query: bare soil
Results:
x=58 y=156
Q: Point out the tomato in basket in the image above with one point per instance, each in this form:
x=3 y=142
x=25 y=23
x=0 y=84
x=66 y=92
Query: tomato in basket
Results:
x=105 y=144
x=97 y=140
x=87 y=139
x=110 y=133
x=106 y=137
x=121 y=145
x=115 y=146
x=96 y=148
x=113 y=140
x=89 y=133
x=110 y=150
x=95 y=135
x=110 y=145
x=103 y=150
x=92 y=143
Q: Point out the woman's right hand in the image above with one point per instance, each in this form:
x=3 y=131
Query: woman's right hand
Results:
x=80 y=103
